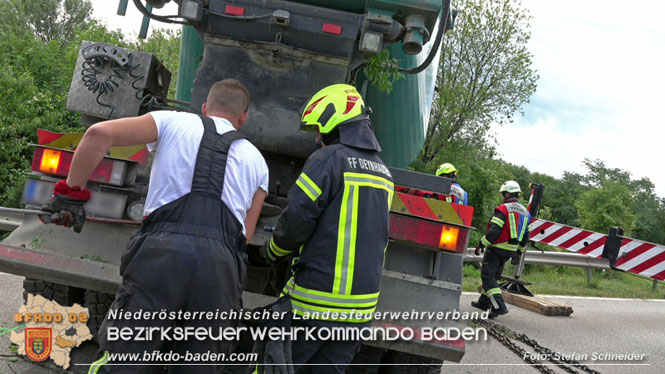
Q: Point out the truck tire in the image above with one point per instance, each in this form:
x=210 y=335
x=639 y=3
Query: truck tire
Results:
x=98 y=304
x=425 y=365
x=63 y=295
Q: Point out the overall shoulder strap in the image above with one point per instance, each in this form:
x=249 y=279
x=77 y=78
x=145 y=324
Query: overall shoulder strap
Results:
x=211 y=160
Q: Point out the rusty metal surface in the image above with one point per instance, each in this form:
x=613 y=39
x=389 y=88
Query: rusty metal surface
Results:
x=60 y=269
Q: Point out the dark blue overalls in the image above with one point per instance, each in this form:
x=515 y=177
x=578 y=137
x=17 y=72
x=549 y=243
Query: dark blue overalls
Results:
x=189 y=255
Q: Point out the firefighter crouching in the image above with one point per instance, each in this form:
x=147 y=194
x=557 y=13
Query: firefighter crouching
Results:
x=507 y=233
x=337 y=224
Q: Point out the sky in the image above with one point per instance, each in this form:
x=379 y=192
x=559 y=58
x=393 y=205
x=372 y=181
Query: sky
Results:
x=601 y=67
x=600 y=92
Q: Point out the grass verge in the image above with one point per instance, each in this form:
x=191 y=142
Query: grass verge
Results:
x=572 y=281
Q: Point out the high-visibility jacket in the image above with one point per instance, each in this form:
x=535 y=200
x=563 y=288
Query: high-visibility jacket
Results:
x=337 y=222
x=457 y=194
x=509 y=227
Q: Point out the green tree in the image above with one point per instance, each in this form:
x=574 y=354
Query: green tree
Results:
x=47 y=19
x=485 y=73
x=165 y=45
x=606 y=206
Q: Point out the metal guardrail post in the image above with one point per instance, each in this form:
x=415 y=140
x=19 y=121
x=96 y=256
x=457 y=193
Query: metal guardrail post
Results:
x=589 y=275
x=655 y=284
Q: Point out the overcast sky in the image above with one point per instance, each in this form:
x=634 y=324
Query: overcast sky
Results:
x=600 y=89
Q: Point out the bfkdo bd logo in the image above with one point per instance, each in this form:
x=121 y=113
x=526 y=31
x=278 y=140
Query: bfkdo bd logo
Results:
x=38 y=343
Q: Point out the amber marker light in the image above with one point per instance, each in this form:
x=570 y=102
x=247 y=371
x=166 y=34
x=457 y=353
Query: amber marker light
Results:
x=448 y=239
x=50 y=161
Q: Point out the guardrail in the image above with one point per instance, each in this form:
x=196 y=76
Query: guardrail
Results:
x=552 y=258
x=555 y=259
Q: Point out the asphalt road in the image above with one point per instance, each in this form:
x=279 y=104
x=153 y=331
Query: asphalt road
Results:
x=597 y=326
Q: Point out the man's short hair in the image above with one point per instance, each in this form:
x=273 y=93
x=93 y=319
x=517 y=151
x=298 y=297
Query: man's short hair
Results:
x=228 y=96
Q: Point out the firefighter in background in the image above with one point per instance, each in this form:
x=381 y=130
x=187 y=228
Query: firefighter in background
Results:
x=336 y=223
x=507 y=233
x=457 y=193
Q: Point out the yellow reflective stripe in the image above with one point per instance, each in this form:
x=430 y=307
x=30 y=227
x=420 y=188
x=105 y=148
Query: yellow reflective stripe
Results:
x=524 y=226
x=329 y=299
x=94 y=368
x=277 y=250
x=344 y=315
x=291 y=284
x=360 y=177
x=352 y=243
x=308 y=186
x=507 y=246
x=306 y=190
x=498 y=221
x=513 y=226
x=341 y=231
x=485 y=242
x=270 y=255
x=347 y=222
x=494 y=291
x=348 y=226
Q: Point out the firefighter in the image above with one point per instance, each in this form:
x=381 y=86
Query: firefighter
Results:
x=507 y=234
x=207 y=187
x=336 y=224
x=457 y=193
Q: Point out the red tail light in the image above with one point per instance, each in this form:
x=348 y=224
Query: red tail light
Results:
x=432 y=234
x=234 y=10
x=332 y=29
x=58 y=162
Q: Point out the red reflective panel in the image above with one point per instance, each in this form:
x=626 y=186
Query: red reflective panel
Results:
x=310 y=109
x=436 y=235
x=350 y=103
x=332 y=29
x=59 y=161
x=234 y=10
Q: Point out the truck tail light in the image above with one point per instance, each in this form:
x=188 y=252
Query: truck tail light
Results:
x=58 y=162
x=234 y=10
x=332 y=29
x=431 y=234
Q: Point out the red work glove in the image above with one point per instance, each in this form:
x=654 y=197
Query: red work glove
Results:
x=66 y=206
x=479 y=249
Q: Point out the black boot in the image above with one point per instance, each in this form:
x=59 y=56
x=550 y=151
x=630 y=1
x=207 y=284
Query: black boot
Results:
x=480 y=305
x=497 y=312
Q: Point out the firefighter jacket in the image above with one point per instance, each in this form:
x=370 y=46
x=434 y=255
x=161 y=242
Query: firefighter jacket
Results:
x=336 y=223
x=457 y=194
x=509 y=227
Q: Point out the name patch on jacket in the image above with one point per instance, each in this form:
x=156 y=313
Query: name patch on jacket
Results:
x=377 y=167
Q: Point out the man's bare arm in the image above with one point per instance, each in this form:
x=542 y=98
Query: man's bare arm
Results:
x=104 y=135
x=253 y=213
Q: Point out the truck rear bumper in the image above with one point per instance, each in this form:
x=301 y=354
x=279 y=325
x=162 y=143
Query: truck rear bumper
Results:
x=60 y=269
x=105 y=277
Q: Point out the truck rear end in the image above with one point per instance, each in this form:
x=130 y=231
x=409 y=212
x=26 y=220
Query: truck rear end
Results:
x=283 y=51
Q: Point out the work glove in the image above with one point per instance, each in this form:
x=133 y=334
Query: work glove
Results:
x=65 y=207
x=479 y=249
x=274 y=356
x=266 y=257
x=516 y=257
